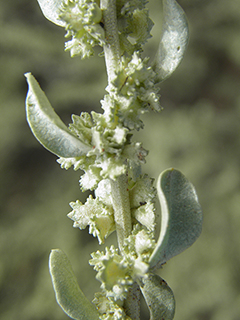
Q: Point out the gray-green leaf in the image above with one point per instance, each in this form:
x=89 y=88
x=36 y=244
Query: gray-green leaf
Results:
x=181 y=216
x=47 y=127
x=173 y=41
x=159 y=297
x=51 y=9
x=68 y=294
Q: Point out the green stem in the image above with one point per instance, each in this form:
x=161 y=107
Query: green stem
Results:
x=122 y=217
x=111 y=47
x=119 y=187
x=121 y=206
x=120 y=194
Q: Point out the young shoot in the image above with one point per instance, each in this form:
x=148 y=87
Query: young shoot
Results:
x=101 y=145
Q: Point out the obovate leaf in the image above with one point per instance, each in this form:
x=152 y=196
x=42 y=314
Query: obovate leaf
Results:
x=68 y=294
x=51 y=9
x=173 y=41
x=159 y=297
x=181 y=216
x=46 y=125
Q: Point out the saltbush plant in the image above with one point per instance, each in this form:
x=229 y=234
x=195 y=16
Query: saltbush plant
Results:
x=102 y=146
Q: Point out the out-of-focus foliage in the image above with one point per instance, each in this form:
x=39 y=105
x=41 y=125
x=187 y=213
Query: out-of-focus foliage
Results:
x=198 y=133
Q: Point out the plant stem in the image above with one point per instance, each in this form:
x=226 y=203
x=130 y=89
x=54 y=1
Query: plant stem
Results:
x=111 y=47
x=121 y=206
x=122 y=217
x=119 y=187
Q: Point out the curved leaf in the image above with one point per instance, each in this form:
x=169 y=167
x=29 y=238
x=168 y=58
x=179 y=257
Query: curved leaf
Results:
x=47 y=127
x=50 y=9
x=68 y=294
x=181 y=216
x=159 y=297
x=173 y=41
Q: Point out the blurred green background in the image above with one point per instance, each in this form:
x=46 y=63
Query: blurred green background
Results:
x=198 y=132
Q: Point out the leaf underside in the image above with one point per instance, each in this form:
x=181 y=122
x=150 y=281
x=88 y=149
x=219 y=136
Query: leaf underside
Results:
x=46 y=125
x=159 y=297
x=68 y=294
x=173 y=41
x=50 y=9
x=181 y=216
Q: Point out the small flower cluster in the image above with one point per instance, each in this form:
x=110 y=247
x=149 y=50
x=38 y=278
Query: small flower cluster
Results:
x=113 y=153
x=134 y=91
x=117 y=273
x=83 y=22
x=98 y=213
x=82 y=18
x=114 y=272
x=108 y=308
x=134 y=25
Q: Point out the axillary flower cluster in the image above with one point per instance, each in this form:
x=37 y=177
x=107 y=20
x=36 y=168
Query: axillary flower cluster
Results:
x=102 y=145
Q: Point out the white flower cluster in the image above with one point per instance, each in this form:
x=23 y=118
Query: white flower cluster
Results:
x=112 y=154
x=134 y=25
x=83 y=22
x=108 y=308
x=114 y=272
x=98 y=213
x=134 y=91
x=117 y=273
x=82 y=18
